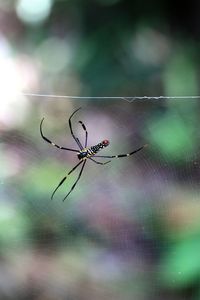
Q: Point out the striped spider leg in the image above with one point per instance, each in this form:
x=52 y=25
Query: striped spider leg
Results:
x=122 y=155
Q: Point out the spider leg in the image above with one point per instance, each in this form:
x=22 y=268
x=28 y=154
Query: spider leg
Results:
x=50 y=142
x=121 y=155
x=79 y=176
x=61 y=182
x=86 y=133
x=70 y=126
x=99 y=163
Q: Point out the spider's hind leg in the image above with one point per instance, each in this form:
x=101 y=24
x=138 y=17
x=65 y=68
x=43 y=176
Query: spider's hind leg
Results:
x=98 y=162
x=122 y=155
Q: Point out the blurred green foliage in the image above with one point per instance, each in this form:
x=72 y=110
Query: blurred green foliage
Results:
x=180 y=266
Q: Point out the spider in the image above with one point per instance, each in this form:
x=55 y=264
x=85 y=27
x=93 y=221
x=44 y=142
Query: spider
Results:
x=84 y=153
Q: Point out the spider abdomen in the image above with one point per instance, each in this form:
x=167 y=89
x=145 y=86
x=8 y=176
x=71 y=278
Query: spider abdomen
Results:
x=88 y=152
x=96 y=148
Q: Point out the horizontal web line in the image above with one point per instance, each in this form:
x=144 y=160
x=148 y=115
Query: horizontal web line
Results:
x=130 y=99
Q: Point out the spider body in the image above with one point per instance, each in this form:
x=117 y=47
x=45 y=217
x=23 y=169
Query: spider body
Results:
x=92 y=151
x=84 y=153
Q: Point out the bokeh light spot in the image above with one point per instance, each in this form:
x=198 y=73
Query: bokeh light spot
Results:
x=53 y=55
x=34 y=11
x=150 y=46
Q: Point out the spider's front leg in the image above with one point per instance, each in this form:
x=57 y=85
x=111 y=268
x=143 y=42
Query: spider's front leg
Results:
x=63 y=180
x=52 y=143
x=71 y=130
x=86 y=133
x=79 y=176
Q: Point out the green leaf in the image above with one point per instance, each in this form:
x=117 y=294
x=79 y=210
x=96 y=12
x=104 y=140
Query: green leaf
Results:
x=181 y=264
x=172 y=136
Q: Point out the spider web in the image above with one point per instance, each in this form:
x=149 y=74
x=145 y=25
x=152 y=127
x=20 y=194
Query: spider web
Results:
x=117 y=224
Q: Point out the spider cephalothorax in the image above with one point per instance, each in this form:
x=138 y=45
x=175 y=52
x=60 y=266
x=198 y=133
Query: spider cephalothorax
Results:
x=83 y=153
